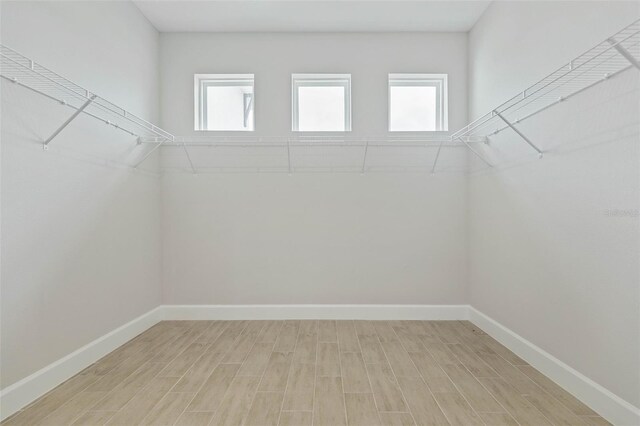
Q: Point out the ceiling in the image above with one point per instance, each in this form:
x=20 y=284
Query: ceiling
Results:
x=311 y=15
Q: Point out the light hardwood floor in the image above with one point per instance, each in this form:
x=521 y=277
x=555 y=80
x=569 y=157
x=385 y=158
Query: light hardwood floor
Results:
x=309 y=373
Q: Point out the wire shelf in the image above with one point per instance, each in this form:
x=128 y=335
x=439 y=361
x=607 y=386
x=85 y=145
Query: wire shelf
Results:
x=308 y=141
x=29 y=74
x=297 y=153
x=604 y=61
x=613 y=56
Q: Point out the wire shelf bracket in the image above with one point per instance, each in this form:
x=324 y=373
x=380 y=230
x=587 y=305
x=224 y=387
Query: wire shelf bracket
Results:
x=30 y=75
x=624 y=52
x=69 y=120
x=526 y=139
x=604 y=61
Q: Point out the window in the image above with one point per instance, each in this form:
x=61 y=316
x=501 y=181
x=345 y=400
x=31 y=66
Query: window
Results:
x=321 y=102
x=224 y=102
x=418 y=102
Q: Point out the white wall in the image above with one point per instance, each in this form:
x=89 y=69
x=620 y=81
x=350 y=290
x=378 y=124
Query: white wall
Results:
x=546 y=260
x=313 y=237
x=80 y=232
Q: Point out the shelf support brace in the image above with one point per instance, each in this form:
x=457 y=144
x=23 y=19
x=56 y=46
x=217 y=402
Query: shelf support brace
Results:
x=151 y=151
x=186 y=152
x=624 y=52
x=289 y=155
x=69 y=120
x=435 y=161
x=364 y=157
x=475 y=152
x=526 y=139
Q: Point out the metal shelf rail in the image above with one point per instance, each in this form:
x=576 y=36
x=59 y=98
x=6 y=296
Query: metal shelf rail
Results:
x=27 y=73
x=286 y=144
x=611 y=57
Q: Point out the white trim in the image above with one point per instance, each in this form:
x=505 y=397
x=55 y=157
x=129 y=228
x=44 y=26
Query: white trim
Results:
x=439 y=81
x=607 y=404
x=327 y=80
x=604 y=402
x=272 y=312
x=27 y=390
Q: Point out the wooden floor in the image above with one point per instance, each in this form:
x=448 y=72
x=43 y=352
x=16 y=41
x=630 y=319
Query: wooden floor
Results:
x=309 y=372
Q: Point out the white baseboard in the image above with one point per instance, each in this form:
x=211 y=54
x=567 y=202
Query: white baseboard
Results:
x=27 y=390
x=275 y=312
x=608 y=405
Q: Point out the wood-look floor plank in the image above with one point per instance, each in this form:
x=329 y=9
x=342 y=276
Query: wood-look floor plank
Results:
x=594 y=421
x=212 y=332
x=553 y=409
x=53 y=400
x=423 y=406
x=327 y=331
x=168 y=410
x=371 y=349
x=181 y=364
x=396 y=419
x=300 y=388
x=385 y=331
x=433 y=375
x=199 y=372
x=347 y=338
x=288 y=336
x=361 y=409
x=457 y=409
x=256 y=361
x=143 y=402
x=170 y=351
x=476 y=394
x=354 y=373
x=446 y=332
x=71 y=410
x=439 y=351
x=328 y=360
x=269 y=333
x=115 y=400
x=119 y=374
x=513 y=375
x=194 y=418
x=306 y=347
x=276 y=374
x=471 y=361
x=498 y=419
x=399 y=359
x=296 y=418
x=386 y=391
x=570 y=401
x=326 y=372
x=235 y=405
x=94 y=418
x=519 y=408
x=212 y=392
x=502 y=351
x=243 y=344
x=329 y=409
x=265 y=409
x=365 y=329
x=409 y=339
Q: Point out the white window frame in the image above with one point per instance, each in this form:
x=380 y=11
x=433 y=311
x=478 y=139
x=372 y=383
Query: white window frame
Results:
x=439 y=81
x=202 y=81
x=320 y=80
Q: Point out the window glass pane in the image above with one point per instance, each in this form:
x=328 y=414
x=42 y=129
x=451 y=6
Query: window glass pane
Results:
x=321 y=108
x=229 y=107
x=412 y=108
